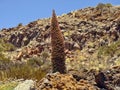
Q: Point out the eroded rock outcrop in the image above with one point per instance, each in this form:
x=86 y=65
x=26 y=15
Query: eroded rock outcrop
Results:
x=59 y=81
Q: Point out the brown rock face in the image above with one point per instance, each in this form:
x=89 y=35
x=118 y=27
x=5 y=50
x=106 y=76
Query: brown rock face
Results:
x=100 y=80
x=59 y=81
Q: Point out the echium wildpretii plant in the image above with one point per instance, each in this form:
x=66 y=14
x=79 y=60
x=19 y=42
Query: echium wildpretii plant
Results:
x=57 y=41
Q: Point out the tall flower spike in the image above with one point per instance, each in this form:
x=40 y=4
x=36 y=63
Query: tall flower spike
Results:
x=57 y=41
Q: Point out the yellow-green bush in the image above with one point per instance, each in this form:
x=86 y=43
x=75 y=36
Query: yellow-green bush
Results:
x=6 y=46
x=35 y=61
x=102 y=5
x=109 y=50
x=108 y=5
x=29 y=70
x=8 y=86
x=4 y=62
x=24 y=71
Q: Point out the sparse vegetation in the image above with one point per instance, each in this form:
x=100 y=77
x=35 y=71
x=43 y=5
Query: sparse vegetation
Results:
x=108 y=5
x=29 y=70
x=110 y=50
x=35 y=61
x=4 y=61
x=102 y=5
x=117 y=62
x=5 y=46
x=8 y=86
x=23 y=70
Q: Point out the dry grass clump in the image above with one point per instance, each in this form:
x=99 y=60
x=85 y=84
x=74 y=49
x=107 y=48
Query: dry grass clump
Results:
x=23 y=70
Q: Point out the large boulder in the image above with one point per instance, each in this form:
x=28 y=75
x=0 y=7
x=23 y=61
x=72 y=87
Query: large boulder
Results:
x=57 y=81
x=26 y=85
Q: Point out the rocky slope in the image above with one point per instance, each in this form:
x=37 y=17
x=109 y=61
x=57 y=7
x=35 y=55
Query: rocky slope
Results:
x=85 y=31
x=108 y=79
x=92 y=40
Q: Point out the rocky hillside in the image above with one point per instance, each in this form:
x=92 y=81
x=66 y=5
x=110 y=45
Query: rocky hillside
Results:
x=92 y=42
x=89 y=32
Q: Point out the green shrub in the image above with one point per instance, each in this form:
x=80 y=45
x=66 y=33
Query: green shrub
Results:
x=100 y=6
x=29 y=70
x=45 y=55
x=4 y=62
x=109 y=50
x=6 y=46
x=35 y=61
x=38 y=74
x=8 y=86
x=24 y=71
x=108 y=5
